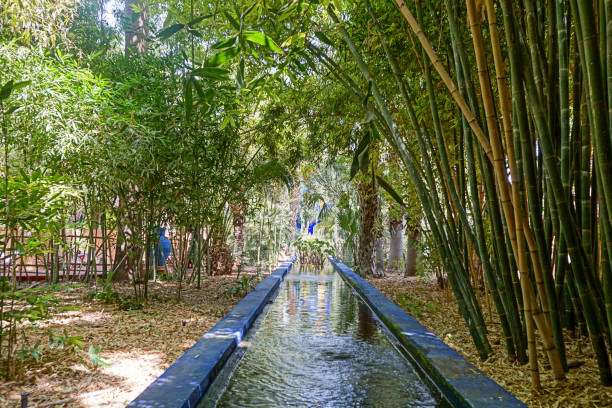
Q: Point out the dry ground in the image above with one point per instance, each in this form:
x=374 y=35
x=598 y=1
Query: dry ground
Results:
x=137 y=345
x=437 y=310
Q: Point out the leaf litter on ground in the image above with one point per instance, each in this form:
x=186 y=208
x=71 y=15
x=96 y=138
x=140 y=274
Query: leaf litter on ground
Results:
x=437 y=309
x=94 y=354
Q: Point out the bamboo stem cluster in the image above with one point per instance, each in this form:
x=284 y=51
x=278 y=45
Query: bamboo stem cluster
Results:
x=530 y=190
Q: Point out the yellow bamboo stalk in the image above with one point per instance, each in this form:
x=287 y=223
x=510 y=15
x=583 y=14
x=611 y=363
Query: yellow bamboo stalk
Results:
x=513 y=218
x=517 y=223
x=450 y=84
x=542 y=318
x=506 y=111
x=491 y=120
x=528 y=306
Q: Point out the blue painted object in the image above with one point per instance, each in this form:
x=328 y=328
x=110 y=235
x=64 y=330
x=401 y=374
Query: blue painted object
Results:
x=184 y=383
x=311 y=227
x=459 y=382
x=164 y=248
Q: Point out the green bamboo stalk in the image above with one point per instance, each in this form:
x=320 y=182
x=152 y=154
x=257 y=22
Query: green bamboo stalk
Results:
x=507 y=310
x=579 y=265
x=506 y=256
x=473 y=314
x=601 y=136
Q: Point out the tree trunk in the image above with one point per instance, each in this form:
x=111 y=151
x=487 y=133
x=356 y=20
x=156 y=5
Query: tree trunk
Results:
x=411 y=252
x=221 y=254
x=120 y=269
x=369 y=209
x=396 y=227
x=135 y=27
x=238 y=211
x=379 y=270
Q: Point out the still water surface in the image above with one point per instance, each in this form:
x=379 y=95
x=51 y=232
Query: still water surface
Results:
x=318 y=345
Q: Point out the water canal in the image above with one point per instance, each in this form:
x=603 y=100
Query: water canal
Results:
x=318 y=345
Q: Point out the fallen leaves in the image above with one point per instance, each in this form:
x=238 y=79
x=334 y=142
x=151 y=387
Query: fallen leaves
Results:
x=437 y=310
x=136 y=345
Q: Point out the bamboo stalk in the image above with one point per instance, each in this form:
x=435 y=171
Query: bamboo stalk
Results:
x=454 y=91
x=464 y=294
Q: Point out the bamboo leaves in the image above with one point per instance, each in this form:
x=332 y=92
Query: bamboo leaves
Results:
x=390 y=190
x=11 y=86
x=211 y=72
x=169 y=31
x=223 y=56
x=258 y=37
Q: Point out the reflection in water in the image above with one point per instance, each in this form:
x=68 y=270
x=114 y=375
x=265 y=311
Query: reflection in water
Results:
x=320 y=346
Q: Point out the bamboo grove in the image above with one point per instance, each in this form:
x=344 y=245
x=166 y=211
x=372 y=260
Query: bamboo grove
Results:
x=499 y=111
x=495 y=114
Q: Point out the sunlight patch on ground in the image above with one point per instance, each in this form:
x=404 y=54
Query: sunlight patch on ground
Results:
x=131 y=373
x=138 y=344
x=73 y=318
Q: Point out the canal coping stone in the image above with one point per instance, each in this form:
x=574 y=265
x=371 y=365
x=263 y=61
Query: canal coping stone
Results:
x=460 y=383
x=185 y=382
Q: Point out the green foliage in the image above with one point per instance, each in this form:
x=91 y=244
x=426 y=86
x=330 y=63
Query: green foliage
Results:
x=242 y=286
x=18 y=307
x=34 y=352
x=415 y=306
x=93 y=354
x=65 y=341
x=106 y=294
x=312 y=250
x=37 y=203
x=42 y=23
x=29 y=304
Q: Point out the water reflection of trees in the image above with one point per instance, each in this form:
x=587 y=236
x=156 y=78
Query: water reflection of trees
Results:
x=344 y=307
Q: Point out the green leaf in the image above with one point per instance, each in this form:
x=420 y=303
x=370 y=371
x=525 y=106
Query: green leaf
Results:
x=21 y=84
x=383 y=183
x=11 y=110
x=248 y=11
x=199 y=89
x=211 y=73
x=225 y=43
x=6 y=90
x=223 y=56
x=196 y=33
x=96 y=54
x=136 y=8
x=240 y=74
x=94 y=356
x=260 y=38
x=297 y=39
x=198 y=20
x=232 y=20
x=170 y=31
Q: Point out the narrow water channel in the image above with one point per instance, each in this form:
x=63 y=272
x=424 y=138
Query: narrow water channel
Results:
x=318 y=345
